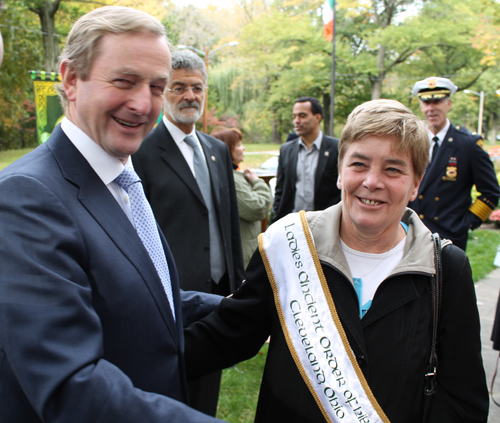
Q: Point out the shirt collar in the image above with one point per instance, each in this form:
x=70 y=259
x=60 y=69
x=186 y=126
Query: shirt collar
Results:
x=177 y=134
x=107 y=167
x=317 y=141
x=441 y=134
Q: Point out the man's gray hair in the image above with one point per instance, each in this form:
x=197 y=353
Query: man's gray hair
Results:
x=186 y=59
x=82 y=45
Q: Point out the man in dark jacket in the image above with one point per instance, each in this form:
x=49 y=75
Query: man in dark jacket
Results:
x=307 y=170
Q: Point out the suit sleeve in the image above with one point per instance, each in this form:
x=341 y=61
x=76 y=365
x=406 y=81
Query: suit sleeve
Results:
x=236 y=330
x=239 y=268
x=461 y=391
x=485 y=180
x=51 y=338
x=280 y=181
x=196 y=305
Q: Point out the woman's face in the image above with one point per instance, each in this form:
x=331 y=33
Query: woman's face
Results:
x=238 y=153
x=377 y=182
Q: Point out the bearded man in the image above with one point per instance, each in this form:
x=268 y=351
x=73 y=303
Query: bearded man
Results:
x=188 y=180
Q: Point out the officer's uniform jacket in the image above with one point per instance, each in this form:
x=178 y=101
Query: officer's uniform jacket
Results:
x=444 y=199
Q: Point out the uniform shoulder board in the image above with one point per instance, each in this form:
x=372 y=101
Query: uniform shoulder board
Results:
x=480 y=143
x=464 y=130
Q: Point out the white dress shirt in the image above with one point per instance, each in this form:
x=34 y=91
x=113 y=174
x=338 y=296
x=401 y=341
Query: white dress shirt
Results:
x=307 y=163
x=178 y=135
x=107 y=167
x=441 y=134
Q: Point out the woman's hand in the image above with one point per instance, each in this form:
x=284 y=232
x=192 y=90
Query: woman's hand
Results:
x=250 y=175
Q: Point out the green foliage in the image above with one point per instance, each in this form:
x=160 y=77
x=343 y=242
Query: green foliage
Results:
x=23 y=52
x=282 y=56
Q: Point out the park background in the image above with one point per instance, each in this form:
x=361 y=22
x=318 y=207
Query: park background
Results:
x=381 y=48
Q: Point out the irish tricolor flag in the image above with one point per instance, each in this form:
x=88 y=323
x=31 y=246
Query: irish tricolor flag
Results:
x=328 y=20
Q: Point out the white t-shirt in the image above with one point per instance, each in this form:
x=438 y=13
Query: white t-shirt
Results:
x=369 y=270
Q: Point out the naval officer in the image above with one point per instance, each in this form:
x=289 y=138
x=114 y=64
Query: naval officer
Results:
x=457 y=161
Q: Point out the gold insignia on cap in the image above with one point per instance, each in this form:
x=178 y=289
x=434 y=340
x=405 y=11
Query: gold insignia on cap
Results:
x=433 y=95
x=213 y=158
x=431 y=83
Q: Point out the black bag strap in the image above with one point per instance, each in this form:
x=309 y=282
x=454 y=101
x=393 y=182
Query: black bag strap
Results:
x=436 y=292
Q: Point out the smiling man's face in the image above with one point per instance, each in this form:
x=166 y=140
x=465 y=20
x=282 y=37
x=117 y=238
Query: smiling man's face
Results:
x=119 y=103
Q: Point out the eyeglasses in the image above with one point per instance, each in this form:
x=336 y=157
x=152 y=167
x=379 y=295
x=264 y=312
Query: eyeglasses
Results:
x=196 y=89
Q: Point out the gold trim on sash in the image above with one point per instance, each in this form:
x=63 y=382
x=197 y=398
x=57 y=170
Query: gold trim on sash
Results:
x=285 y=328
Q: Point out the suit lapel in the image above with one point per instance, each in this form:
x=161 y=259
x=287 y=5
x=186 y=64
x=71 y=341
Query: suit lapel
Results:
x=100 y=203
x=437 y=169
x=173 y=157
x=324 y=154
x=294 y=157
x=212 y=159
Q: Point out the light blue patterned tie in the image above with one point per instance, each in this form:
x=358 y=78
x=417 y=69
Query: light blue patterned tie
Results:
x=145 y=225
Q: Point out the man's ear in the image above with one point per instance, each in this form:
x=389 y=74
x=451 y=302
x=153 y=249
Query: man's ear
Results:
x=318 y=118
x=68 y=79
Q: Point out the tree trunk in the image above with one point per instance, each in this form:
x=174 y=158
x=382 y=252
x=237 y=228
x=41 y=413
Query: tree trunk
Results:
x=494 y=128
x=1 y=49
x=326 y=113
x=49 y=38
x=46 y=12
x=376 y=82
x=276 y=134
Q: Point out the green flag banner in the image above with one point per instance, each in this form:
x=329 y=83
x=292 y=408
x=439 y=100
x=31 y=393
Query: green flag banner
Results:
x=48 y=106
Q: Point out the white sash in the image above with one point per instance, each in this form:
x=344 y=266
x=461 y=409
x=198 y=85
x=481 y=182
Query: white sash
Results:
x=312 y=328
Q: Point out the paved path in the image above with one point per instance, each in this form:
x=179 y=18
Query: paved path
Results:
x=487 y=291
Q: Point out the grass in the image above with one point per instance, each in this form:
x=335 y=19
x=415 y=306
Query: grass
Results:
x=240 y=389
x=481 y=250
x=8 y=156
x=252 y=157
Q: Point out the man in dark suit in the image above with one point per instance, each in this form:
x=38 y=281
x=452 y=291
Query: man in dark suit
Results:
x=90 y=310
x=191 y=191
x=457 y=163
x=307 y=169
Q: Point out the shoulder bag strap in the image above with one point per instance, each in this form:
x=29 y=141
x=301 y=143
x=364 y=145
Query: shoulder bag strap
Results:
x=436 y=292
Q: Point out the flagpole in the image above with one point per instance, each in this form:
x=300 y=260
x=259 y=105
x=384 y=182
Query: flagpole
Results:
x=332 y=96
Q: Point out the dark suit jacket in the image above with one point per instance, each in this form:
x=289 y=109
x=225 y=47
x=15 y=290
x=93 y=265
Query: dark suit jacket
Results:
x=444 y=199
x=179 y=208
x=86 y=330
x=326 y=193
